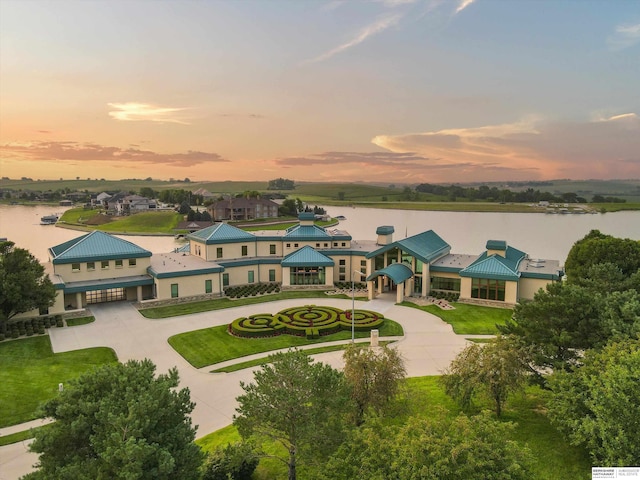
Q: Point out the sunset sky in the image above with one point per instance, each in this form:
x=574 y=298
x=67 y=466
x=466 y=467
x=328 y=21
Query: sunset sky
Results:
x=398 y=91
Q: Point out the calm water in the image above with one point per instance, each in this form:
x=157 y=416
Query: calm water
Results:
x=540 y=235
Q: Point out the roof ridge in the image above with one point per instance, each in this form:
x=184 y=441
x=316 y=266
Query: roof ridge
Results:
x=80 y=240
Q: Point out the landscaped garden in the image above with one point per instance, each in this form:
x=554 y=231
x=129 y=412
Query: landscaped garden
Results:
x=31 y=372
x=213 y=345
x=468 y=319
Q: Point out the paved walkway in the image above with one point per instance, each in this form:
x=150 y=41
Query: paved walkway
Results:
x=428 y=347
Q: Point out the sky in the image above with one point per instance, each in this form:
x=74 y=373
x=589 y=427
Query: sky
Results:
x=385 y=91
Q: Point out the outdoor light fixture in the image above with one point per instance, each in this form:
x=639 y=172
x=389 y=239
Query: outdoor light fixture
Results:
x=353 y=304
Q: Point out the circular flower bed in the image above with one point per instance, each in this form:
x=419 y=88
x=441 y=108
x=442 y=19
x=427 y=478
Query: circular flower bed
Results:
x=309 y=320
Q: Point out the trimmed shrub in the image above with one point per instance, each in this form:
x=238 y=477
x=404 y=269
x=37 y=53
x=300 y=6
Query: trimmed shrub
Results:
x=236 y=461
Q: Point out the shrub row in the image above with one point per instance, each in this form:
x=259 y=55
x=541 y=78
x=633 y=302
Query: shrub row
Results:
x=251 y=290
x=347 y=285
x=448 y=296
x=29 y=326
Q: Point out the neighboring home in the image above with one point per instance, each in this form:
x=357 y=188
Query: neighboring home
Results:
x=65 y=203
x=206 y=194
x=135 y=203
x=111 y=203
x=100 y=200
x=243 y=209
x=98 y=267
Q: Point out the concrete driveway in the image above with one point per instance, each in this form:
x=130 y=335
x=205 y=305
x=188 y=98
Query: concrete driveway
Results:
x=428 y=347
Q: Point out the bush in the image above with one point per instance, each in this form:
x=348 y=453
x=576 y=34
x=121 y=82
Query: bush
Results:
x=236 y=461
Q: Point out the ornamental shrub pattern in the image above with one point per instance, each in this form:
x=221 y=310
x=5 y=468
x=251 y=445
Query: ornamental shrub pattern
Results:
x=311 y=321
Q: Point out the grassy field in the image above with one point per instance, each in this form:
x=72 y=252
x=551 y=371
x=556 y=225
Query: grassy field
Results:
x=213 y=345
x=220 y=303
x=553 y=457
x=31 y=373
x=469 y=319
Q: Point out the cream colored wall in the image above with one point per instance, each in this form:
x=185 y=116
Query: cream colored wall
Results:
x=263 y=248
x=445 y=275
x=465 y=287
x=198 y=249
x=187 y=286
x=511 y=292
x=502 y=253
x=231 y=251
x=530 y=286
x=352 y=263
x=66 y=271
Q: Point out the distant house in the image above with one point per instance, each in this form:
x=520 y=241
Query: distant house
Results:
x=65 y=203
x=243 y=209
x=100 y=200
x=206 y=194
x=193 y=225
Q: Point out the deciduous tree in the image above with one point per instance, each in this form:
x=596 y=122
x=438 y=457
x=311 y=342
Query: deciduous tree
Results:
x=297 y=403
x=24 y=285
x=374 y=377
x=119 y=422
x=598 y=405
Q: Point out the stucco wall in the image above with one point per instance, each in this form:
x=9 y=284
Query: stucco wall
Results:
x=187 y=286
x=66 y=270
x=529 y=286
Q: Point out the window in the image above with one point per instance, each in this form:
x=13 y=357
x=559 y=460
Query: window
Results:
x=335 y=244
x=75 y=267
x=317 y=245
x=343 y=262
x=272 y=249
x=295 y=245
x=341 y=278
x=326 y=245
x=208 y=286
x=174 y=290
x=272 y=275
x=245 y=250
x=488 y=289
x=442 y=283
x=363 y=264
x=91 y=266
x=219 y=252
x=307 y=275
x=104 y=265
x=132 y=262
x=118 y=263
x=225 y=279
x=343 y=269
x=344 y=244
x=288 y=245
x=250 y=276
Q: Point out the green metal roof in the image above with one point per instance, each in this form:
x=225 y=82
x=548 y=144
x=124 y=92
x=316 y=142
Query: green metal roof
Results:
x=306 y=216
x=398 y=272
x=105 y=284
x=425 y=246
x=307 y=232
x=96 y=246
x=496 y=267
x=496 y=245
x=385 y=230
x=221 y=233
x=307 y=257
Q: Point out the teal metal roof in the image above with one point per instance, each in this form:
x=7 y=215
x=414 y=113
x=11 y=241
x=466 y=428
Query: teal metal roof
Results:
x=385 y=230
x=105 y=284
x=307 y=257
x=496 y=267
x=425 y=246
x=307 y=232
x=398 y=272
x=496 y=245
x=306 y=216
x=96 y=246
x=221 y=233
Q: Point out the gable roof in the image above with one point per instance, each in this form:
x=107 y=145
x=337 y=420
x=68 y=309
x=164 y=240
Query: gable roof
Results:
x=425 y=246
x=307 y=257
x=95 y=246
x=496 y=267
x=307 y=232
x=221 y=233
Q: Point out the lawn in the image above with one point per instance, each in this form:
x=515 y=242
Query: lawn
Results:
x=213 y=345
x=469 y=319
x=31 y=372
x=221 y=303
x=152 y=222
x=553 y=457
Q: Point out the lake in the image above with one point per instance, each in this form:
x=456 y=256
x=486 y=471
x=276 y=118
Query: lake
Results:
x=538 y=234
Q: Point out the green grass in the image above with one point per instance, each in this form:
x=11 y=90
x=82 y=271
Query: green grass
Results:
x=74 y=322
x=553 y=457
x=469 y=319
x=259 y=361
x=20 y=436
x=31 y=372
x=213 y=345
x=78 y=215
x=221 y=303
x=152 y=222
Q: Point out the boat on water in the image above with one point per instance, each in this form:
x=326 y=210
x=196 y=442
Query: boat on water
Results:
x=49 y=220
x=341 y=217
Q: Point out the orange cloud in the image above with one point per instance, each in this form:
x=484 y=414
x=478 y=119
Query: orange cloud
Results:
x=74 y=151
x=137 y=112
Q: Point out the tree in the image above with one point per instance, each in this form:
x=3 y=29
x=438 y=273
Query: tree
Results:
x=281 y=184
x=24 y=285
x=598 y=405
x=122 y=422
x=374 y=377
x=558 y=324
x=496 y=369
x=291 y=207
x=431 y=449
x=596 y=248
x=296 y=403
x=236 y=461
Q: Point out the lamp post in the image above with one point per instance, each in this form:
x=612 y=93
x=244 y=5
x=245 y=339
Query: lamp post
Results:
x=353 y=304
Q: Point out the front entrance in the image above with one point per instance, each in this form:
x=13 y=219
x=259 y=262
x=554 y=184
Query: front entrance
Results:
x=108 y=295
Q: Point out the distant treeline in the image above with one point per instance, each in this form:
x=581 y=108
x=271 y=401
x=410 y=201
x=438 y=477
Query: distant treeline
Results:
x=493 y=194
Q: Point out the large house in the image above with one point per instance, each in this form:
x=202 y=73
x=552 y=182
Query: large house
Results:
x=97 y=267
x=243 y=209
